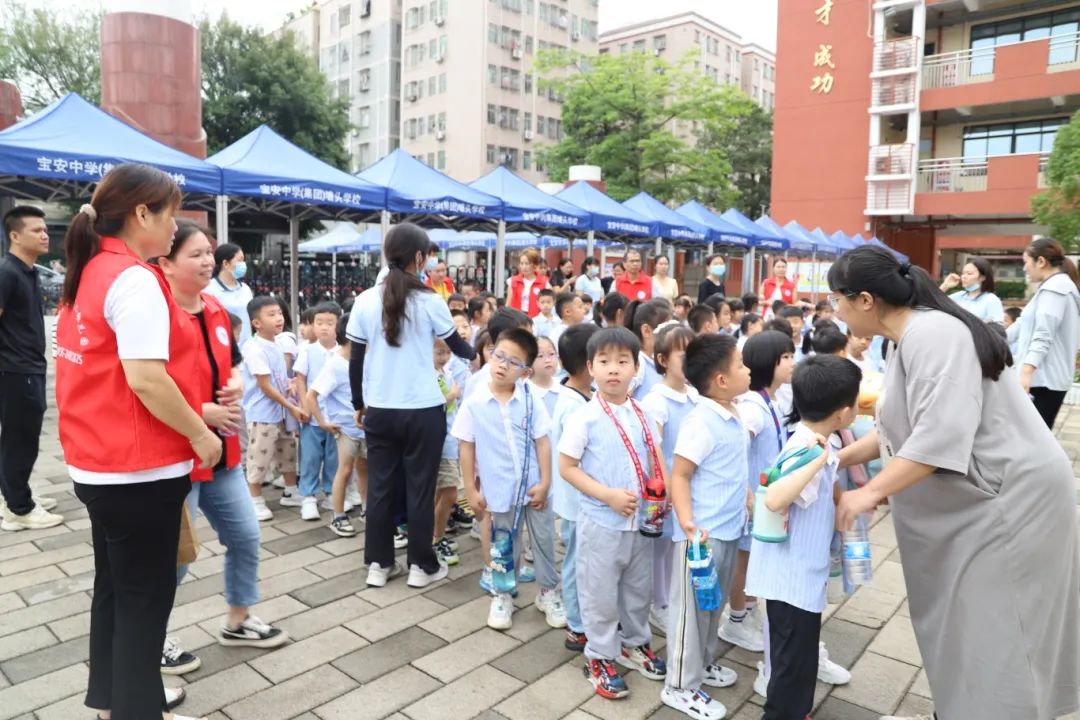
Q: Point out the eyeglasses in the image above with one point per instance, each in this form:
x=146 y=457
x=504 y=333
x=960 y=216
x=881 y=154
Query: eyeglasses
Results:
x=834 y=300
x=503 y=359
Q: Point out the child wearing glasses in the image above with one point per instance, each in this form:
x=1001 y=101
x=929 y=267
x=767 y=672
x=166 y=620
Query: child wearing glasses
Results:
x=503 y=434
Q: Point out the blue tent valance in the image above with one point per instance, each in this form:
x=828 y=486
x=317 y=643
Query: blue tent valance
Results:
x=723 y=232
x=526 y=204
x=608 y=215
x=669 y=223
x=413 y=188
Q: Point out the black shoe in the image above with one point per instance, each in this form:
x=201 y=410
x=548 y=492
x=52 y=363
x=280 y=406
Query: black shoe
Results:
x=461 y=516
x=176 y=661
x=574 y=641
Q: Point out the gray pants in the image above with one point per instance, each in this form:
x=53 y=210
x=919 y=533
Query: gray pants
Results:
x=541 y=525
x=614 y=580
x=691 y=633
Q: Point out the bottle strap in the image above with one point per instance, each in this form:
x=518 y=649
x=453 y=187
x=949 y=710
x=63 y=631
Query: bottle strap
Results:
x=523 y=485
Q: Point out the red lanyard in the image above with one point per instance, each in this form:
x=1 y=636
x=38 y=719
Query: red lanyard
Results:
x=629 y=446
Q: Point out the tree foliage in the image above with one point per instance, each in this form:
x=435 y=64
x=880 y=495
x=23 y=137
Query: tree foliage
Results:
x=1059 y=206
x=656 y=126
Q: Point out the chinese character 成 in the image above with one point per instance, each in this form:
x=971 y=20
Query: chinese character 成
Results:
x=823 y=57
x=822 y=83
x=824 y=12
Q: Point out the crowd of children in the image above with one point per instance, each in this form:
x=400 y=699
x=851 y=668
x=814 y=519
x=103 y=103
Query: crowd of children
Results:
x=632 y=433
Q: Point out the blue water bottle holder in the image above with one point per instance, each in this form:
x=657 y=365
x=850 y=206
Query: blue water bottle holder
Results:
x=703 y=577
x=503 y=573
x=769 y=526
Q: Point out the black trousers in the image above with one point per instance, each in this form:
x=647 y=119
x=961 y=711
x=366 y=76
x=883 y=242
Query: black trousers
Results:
x=793 y=651
x=1047 y=402
x=404 y=447
x=136 y=531
x=22 y=407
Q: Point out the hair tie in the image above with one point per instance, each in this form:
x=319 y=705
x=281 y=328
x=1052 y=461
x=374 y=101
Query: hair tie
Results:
x=89 y=211
x=905 y=269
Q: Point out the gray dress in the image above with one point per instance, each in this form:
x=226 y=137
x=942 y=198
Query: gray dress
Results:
x=989 y=541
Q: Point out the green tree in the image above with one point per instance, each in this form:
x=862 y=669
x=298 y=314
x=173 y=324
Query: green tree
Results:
x=744 y=134
x=250 y=79
x=650 y=124
x=50 y=53
x=1059 y=206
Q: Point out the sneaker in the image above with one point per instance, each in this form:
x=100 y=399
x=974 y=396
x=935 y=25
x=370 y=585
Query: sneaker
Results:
x=474 y=532
x=328 y=504
x=261 y=511
x=575 y=641
x=46 y=502
x=377 y=575
x=291 y=499
x=352 y=497
x=418 y=577
x=309 y=509
x=695 y=703
x=761 y=683
x=461 y=516
x=174 y=697
x=175 y=661
x=452 y=544
x=342 y=527
x=401 y=537
x=37 y=519
x=550 y=603
x=658 y=620
x=501 y=614
x=718 y=676
x=446 y=553
x=605 y=680
x=742 y=634
x=279 y=482
x=253 y=632
x=828 y=671
x=526 y=574
x=644 y=660
x=486 y=586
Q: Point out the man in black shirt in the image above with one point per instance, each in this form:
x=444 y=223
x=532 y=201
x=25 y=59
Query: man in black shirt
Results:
x=22 y=370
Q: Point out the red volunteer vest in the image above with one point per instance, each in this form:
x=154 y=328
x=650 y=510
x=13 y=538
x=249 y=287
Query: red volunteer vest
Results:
x=517 y=286
x=219 y=330
x=103 y=425
x=787 y=291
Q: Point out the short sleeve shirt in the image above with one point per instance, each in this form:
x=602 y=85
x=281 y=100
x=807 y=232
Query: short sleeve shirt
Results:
x=335 y=395
x=22 y=324
x=263 y=357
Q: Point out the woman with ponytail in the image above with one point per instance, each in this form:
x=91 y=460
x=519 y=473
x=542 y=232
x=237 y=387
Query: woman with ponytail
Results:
x=393 y=327
x=982 y=496
x=1049 y=327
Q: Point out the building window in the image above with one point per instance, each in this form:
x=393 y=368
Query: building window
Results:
x=1034 y=136
x=622 y=48
x=528 y=82
x=363 y=80
x=491 y=114
x=528 y=122
x=442 y=83
x=493 y=33
x=639 y=46
x=365 y=42
x=1058 y=25
x=442 y=121
x=364 y=117
x=442 y=160
x=526 y=160
x=343 y=88
x=431 y=159
x=491 y=148
x=541 y=125
x=493 y=75
x=344 y=15
x=659 y=43
x=432 y=84
x=529 y=44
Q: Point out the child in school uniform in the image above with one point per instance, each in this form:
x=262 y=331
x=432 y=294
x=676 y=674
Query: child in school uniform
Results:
x=667 y=404
x=331 y=390
x=546 y=320
x=287 y=341
x=576 y=392
x=792 y=576
x=503 y=434
x=607 y=452
x=570 y=310
x=318 y=448
x=448 y=476
x=708 y=490
x=643 y=319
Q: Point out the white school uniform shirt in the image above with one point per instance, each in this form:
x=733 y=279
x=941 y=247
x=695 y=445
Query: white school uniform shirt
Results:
x=335 y=395
x=498 y=431
x=543 y=325
x=235 y=300
x=309 y=363
x=263 y=357
x=556 y=333
x=477 y=380
x=590 y=436
x=565 y=498
x=387 y=379
x=797 y=571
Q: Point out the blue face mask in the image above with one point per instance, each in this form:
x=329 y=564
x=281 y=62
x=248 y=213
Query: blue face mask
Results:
x=718 y=271
x=973 y=287
x=240 y=270
x=592 y=271
x=432 y=262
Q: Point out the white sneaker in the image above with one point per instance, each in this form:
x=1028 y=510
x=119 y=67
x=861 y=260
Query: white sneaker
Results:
x=291 y=499
x=828 y=671
x=419 y=578
x=279 y=482
x=658 y=620
x=718 y=676
x=742 y=634
x=695 y=703
x=261 y=511
x=173 y=697
x=377 y=575
x=328 y=504
x=501 y=614
x=761 y=683
x=352 y=497
x=309 y=509
x=550 y=603
x=37 y=519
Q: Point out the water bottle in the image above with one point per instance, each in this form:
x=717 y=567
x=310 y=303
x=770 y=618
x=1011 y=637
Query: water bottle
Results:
x=653 y=508
x=858 y=569
x=503 y=577
x=836 y=570
x=703 y=575
x=767 y=526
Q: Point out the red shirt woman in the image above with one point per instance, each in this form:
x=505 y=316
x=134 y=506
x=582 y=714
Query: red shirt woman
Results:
x=523 y=289
x=777 y=287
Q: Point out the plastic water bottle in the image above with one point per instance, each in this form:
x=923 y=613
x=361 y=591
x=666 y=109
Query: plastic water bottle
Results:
x=503 y=577
x=836 y=570
x=653 y=508
x=858 y=569
x=703 y=575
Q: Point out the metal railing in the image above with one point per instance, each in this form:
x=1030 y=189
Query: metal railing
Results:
x=1044 y=161
x=952 y=175
x=888 y=197
x=893 y=90
x=977 y=64
x=898 y=54
x=890 y=159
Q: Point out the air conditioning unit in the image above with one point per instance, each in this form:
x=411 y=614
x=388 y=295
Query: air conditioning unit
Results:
x=516 y=53
x=440 y=20
x=575 y=35
x=440 y=57
x=528 y=135
x=411 y=95
x=440 y=134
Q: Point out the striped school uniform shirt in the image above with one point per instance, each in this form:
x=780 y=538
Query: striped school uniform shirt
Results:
x=565 y=498
x=761 y=417
x=796 y=571
x=647 y=376
x=668 y=408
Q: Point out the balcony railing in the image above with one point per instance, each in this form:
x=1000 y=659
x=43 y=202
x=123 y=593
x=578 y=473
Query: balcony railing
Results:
x=976 y=65
x=1044 y=160
x=896 y=55
x=888 y=197
x=952 y=175
x=893 y=90
x=890 y=160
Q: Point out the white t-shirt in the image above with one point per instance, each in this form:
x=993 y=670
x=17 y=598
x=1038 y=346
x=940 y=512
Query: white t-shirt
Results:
x=235 y=300
x=137 y=312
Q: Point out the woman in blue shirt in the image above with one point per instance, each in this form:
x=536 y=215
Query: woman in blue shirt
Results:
x=588 y=282
x=229 y=269
x=976 y=295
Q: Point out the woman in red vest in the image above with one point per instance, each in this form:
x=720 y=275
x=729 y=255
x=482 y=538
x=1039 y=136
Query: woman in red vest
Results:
x=130 y=426
x=221 y=493
x=523 y=289
x=777 y=287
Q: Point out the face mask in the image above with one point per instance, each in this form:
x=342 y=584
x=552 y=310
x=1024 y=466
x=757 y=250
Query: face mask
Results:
x=973 y=287
x=240 y=270
x=718 y=271
x=432 y=262
x=592 y=271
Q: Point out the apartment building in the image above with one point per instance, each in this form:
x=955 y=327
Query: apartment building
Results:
x=719 y=53
x=358 y=47
x=471 y=98
x=932 y=131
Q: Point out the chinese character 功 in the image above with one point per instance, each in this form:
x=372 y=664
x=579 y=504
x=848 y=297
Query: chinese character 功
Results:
x=823 y=57
x=822 y=83
x=824 y=13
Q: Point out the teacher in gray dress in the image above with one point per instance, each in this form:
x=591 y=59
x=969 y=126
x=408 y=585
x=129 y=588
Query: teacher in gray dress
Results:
x=982 y=497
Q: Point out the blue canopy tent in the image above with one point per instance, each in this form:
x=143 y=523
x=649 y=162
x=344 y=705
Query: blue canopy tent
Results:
x=796 y=243
x=527 y=206
x=842 y=241
x=265 y=173
x=610 y=218
x=899 y=255
x=669 y=223
x=342 y=238
x=59 y=152
x=723 y=232
x=762 y=237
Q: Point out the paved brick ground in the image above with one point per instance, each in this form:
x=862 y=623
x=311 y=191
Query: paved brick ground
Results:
x=400 y=653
